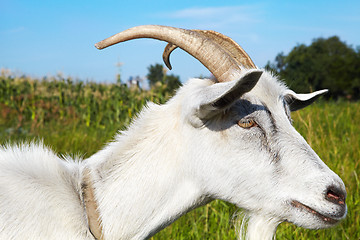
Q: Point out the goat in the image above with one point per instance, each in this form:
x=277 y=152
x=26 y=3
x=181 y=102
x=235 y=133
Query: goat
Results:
x=229 y=138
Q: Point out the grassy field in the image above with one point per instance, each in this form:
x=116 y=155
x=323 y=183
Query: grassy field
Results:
x=79 y=118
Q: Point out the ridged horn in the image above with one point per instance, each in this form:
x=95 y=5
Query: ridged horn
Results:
x=229 y=45
x=218 y=61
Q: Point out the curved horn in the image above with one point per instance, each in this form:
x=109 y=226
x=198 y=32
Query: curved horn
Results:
x=219 y=62
x=166 y=54
x=229 y=45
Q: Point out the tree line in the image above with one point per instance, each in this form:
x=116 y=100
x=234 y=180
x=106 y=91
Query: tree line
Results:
x=324 y=64
x=327 y=63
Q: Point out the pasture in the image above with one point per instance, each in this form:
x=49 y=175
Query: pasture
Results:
x=78 y=118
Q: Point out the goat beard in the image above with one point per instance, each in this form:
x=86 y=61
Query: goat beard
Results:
x=251 y=226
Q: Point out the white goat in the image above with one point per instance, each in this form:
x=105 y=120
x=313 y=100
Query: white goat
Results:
x=231 y=140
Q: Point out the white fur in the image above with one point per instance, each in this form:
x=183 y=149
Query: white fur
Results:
x=168 y=162
x=39 y=195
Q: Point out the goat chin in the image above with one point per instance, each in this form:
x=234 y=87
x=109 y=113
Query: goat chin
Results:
x=250 y=226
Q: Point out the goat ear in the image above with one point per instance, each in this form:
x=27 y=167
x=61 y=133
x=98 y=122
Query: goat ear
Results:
x=298 y=101
x=220 y=96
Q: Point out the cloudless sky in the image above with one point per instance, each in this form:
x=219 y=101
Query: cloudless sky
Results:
x=41 y=38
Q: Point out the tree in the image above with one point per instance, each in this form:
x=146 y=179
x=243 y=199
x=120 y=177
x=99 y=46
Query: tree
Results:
x=326 y=63
x=172 y=82
x=157 y=74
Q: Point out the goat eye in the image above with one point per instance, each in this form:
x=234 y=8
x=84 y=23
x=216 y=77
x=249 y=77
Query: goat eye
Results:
x=247 y=123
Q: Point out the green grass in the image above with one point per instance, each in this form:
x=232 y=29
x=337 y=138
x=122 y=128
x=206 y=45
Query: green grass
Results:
x=79 y=118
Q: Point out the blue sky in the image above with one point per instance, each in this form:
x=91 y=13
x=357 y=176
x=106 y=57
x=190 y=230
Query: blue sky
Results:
x=41 y=38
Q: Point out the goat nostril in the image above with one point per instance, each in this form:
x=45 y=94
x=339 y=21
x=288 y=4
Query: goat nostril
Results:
x=335 y=195
x=330 y=194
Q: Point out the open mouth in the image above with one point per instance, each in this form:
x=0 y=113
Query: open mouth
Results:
x=326 y=219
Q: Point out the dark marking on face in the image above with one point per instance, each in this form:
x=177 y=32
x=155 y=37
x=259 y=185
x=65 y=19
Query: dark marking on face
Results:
x=266 y=130
x=271 y=136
